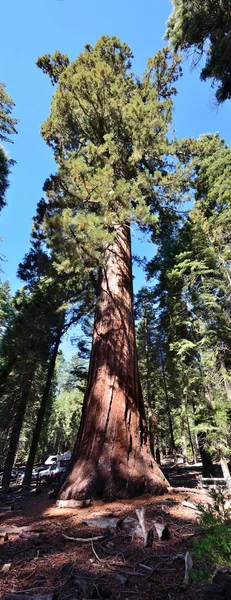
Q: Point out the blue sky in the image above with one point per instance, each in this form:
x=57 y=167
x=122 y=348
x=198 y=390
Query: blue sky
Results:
x=31 y=28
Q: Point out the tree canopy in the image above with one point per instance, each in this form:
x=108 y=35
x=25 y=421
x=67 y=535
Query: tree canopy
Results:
x=109 y=133
x=206 y=28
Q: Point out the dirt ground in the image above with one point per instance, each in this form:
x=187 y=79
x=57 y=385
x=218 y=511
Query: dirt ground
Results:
x=116 y=567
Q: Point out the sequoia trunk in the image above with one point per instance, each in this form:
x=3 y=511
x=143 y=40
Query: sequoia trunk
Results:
x=112 y=456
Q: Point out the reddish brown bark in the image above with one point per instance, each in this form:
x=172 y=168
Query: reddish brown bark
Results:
x=112 y=456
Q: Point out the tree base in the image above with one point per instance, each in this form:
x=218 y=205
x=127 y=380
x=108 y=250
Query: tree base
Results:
x=112 y=484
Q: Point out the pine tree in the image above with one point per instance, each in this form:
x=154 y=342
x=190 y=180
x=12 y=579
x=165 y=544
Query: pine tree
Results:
x=151 y=357
x=5 y=305
x=212 y=164
x=7 y=128
x=195 y=317
x=176 y=323
x=25 y=344
x=49 y=303
x=63 y=418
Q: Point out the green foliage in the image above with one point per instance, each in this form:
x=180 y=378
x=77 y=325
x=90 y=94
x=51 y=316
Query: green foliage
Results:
x=4 y=173
x=7 y=128
x=213 y=548
x=150 y=356
x=33 y=404
x=24 y=346
x=5 y=305
x=53 y=65
x=65 y=406
x=116 y=162
x=205 y=27
x=192 y=301
x=7 y=122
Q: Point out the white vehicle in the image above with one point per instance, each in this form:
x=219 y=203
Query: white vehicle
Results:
x=54 y=458
x=65 y=456
x=55 y=470
x=51 y=460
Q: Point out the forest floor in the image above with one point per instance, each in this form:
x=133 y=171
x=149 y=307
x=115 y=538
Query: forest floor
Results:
x=117 y=567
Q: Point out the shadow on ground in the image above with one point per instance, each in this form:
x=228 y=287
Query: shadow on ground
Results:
x=116 y=567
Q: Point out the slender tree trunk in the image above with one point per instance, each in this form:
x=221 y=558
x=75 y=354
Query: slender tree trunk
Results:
x=184 y=446
x=41 y=413
x=17 y=426
x=151 y=436
x=182 y=425
x=224 y=266
x=226 y=380
x=196 y=443
x=225 y=470
x=207 y=463
x=158 y=459
x=191 y=441
x=147 y=362
x=173 y=445
x=148 y=391
x=112 y=456
x=208 y=468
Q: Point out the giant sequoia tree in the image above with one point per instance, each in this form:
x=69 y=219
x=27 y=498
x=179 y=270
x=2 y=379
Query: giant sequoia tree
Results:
x=109 y=132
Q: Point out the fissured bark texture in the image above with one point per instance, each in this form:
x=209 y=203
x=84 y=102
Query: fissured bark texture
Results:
x=112 y=456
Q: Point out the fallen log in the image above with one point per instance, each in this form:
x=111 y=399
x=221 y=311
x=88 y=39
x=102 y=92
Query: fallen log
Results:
x=17 y=530
x=180 y=490
x=104 y=523
x=129 y=525
x=190 y=505
x=73 y=503
x=212 y=479
x=83 y=540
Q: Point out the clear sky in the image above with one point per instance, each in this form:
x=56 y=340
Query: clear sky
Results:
x=31 y=28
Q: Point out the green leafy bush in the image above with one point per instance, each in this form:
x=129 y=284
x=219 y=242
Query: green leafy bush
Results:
x=213 y=548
